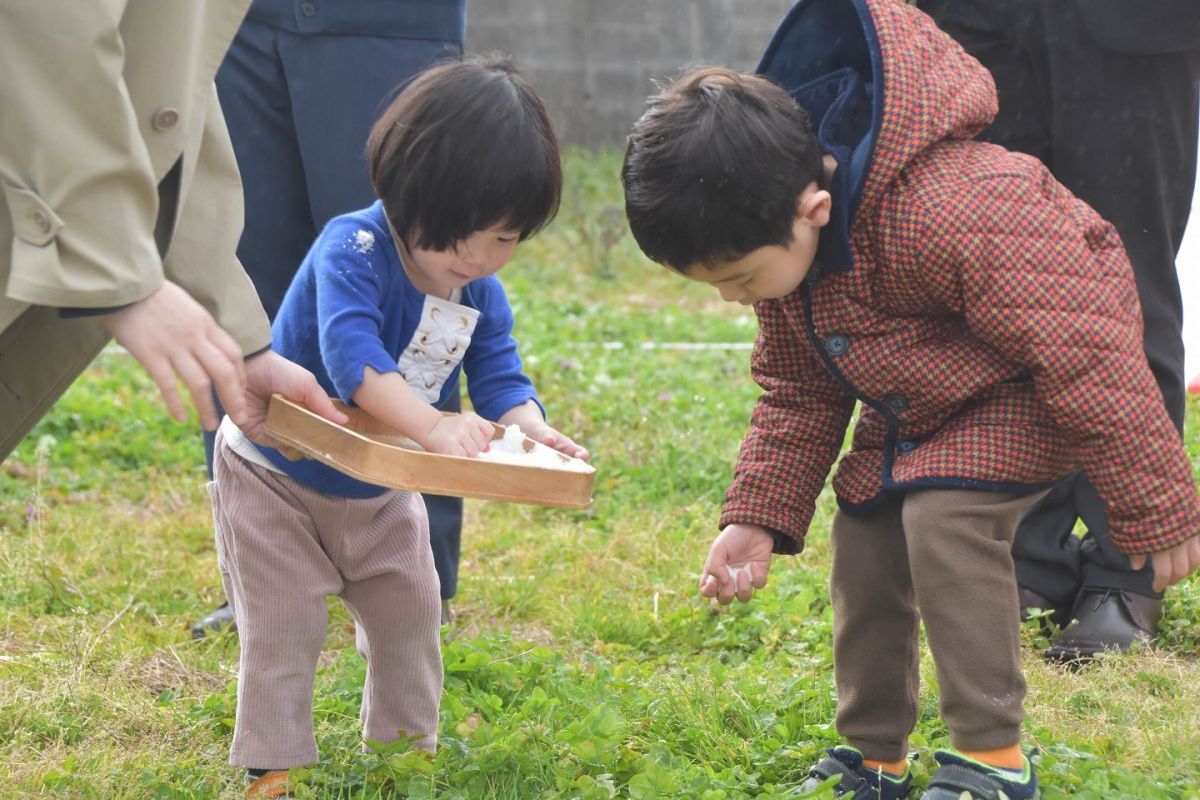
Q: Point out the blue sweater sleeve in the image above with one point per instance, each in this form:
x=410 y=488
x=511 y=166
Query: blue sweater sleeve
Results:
x=495 y=378
x=351 y=282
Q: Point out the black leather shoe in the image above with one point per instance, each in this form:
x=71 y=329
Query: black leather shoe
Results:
x=1106 y=619
x=1031 y=600
x=219 y=619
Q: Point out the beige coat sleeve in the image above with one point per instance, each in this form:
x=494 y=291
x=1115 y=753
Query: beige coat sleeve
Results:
x=76 y=174
x=100 y=99
x=202 y=255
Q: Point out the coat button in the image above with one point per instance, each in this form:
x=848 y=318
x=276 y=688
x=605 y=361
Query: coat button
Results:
x=896 y=402
x=164 y=118
x=308 y=9
x=837 y=344
x=41 y=220
x=906 y=446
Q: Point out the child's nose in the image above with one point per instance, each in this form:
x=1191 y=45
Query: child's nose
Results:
x=479 y=259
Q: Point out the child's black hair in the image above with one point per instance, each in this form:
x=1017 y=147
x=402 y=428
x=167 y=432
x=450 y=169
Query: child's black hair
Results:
x=464 y=146
x=715 y=166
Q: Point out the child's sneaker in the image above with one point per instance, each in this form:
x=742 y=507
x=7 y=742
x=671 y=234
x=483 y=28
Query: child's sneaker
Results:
x=273 y=784
x=960 y=778
x=857 y=782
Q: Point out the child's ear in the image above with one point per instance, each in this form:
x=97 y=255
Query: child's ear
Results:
x=813 y=207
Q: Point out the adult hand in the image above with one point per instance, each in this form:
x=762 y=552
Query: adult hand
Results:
x=1173 y=564
x=465 y=434
x=173 y=336
x=269 y=373
x=737 y=563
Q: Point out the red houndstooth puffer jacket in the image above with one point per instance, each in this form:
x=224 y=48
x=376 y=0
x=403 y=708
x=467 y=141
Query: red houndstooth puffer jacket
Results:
x=986 y=319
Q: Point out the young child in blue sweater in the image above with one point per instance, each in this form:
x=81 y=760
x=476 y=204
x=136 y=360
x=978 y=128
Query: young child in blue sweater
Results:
x=390 y=304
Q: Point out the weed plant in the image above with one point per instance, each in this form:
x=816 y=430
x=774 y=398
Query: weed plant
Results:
x=583 y=663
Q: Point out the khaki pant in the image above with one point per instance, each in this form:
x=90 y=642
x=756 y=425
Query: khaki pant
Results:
x=947 y=553
x=283 y=548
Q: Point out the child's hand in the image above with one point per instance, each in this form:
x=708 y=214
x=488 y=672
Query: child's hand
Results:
x=1173 y=564
x=541 y=432
x=464 y=434
x=737 y=563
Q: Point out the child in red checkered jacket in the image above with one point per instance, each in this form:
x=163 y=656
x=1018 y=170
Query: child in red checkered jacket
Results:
x=983 y=319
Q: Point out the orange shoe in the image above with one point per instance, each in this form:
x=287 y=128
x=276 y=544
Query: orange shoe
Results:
x=273 y=784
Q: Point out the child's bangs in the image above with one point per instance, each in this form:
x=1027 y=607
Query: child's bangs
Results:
x=520 y=187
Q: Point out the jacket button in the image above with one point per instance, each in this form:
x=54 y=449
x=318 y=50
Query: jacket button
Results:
x=906 y=446
x=837 y=344
x=41 y=220
x=896 y=402
x=164 y=118
x=308 y=9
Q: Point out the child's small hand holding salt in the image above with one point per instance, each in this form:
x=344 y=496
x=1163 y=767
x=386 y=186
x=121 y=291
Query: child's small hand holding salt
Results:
x=551 y=438
x=1171 y=565
x=737 y=563
x=466 y=434
x=529 y=418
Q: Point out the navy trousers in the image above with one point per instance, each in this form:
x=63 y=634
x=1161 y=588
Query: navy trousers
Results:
x=299 y=108
x=1118 y=128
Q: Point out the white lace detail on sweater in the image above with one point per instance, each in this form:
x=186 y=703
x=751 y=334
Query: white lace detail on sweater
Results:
x=437 y=346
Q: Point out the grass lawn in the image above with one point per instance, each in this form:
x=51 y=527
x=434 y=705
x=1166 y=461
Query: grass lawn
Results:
x=583 y=663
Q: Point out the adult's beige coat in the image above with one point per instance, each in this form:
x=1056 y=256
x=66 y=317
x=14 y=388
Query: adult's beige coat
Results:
x=112 y=151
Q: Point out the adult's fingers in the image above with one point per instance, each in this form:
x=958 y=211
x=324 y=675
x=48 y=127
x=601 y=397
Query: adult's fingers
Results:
x=163 y=375
x=229 y=347
x=318 y=402
x=220 y=372
x=206 y=368
x=224 y=368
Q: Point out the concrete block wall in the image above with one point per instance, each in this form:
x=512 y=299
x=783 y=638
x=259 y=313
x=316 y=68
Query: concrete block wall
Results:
x=595 y=61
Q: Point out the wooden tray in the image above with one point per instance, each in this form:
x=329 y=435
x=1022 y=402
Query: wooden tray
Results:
x=366 y=449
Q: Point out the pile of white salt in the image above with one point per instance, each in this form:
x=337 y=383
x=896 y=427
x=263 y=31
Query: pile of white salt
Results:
x=511 y=450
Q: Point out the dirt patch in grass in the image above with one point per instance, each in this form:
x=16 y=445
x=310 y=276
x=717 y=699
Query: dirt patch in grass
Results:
x=471 y=623
x=163 y=672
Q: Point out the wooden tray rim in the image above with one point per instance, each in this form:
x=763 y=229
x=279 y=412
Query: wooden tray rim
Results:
x=367 y=467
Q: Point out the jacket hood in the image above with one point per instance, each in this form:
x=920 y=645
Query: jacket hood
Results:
x=881 y=84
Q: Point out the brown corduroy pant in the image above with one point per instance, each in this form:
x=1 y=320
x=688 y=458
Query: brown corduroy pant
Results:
x=947 y=553
x=282 y=549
